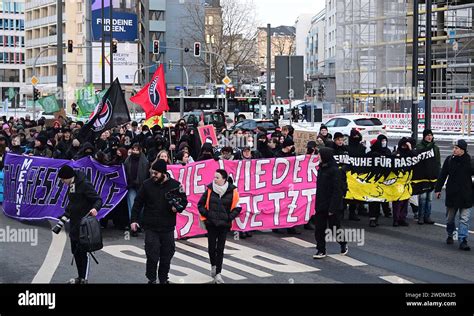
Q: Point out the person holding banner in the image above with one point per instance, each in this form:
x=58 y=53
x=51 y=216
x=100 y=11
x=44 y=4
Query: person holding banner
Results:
x=83 y=200
x=219 y=206
x=330 y=194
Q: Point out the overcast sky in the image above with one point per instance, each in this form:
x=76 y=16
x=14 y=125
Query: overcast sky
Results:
x=285 y=12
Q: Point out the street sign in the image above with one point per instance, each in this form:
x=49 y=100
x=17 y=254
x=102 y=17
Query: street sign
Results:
x=34 y=80
x=227 y=81
x=289 y=76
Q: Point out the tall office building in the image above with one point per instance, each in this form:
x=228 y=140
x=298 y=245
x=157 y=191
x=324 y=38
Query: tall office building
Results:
x=12 y=48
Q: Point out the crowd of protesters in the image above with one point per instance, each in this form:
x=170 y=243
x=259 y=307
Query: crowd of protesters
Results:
x=138 y=147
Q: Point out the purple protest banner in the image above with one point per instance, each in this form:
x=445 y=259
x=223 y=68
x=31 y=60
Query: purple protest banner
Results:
x=32 y=190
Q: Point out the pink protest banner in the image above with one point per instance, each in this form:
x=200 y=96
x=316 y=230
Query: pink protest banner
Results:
x=274 y=193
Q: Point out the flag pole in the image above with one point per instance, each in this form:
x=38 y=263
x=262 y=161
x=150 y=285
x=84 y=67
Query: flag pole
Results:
x=169 y=134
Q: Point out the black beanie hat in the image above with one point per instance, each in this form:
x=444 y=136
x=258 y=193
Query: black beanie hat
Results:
x=66 y=172
x=160 y=166
x=461 y=144
x=323 y=127
x=427 y=132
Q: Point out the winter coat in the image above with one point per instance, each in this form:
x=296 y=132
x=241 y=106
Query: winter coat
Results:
x=143 y=171
x=219 y=211
x=157 y=211
x=431 y=167
x=458 y=170
x=330 y=191
x=82 y=198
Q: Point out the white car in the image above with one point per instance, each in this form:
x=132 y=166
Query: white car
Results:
x=369 y=127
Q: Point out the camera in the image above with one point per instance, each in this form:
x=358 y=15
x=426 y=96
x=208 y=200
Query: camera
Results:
x=174 y=201
x=57 y=228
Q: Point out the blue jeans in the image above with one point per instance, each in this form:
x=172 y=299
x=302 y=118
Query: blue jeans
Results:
x=131 y=195
x=464 y=217
x=424 y=203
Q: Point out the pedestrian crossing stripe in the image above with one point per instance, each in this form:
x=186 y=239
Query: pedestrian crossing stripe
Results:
x=395 y=279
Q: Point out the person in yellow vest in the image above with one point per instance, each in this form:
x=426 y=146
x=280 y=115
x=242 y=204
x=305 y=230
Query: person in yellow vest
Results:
x=218 y=207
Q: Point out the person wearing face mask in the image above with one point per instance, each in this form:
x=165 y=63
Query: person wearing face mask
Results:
x=400 y=208
x=356 y=149
x=379 y=148
x=287 y=149
x=74 y=149
x=262 y=146
x=64 y=145
x=159 y=220
x=137 y=171
x=218 y=207
x=329 y=201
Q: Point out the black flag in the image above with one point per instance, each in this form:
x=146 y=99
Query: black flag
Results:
x=111 y=111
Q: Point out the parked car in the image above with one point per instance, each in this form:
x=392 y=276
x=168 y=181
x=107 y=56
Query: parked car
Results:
x=216 y=118
x=251 y=125
x=369 y=127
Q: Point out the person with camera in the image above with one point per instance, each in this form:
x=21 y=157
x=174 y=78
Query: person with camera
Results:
x=83 y=200
x=161 y=198
x=218 y=207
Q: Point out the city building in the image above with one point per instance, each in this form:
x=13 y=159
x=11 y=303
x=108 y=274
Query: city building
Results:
x=282 y=43
x=302 y=27
x=12 y=49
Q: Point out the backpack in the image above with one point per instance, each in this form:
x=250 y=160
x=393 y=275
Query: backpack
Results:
x=90 y=235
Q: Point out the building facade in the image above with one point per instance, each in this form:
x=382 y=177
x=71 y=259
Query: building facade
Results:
x=12 y=49
x=282 y=43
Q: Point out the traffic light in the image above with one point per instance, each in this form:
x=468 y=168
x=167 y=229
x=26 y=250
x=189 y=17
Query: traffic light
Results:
x=114 y=47
x=36 y=94
x=69 y=46
x=232 y=93
x=156 y=47
x=197 y=49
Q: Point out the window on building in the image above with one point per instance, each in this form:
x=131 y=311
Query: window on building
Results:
x=79 y=6
x=79 y=28
x=211 y=20
x=79 y=70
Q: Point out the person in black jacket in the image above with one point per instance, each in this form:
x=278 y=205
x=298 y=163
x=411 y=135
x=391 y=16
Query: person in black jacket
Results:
x=329 y=201
x=83 y=200
x=159 y=219
x=458 y=169
x=400 y=208
x=218 y=207
x=137 y=171
x=379 y=149
x=356 y=149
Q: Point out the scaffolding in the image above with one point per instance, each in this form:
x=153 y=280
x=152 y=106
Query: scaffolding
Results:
x=375 y=46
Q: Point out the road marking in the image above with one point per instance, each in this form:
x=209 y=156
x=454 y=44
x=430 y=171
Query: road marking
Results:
x=52 y=259
x=190 y=275
x=272 y=262
x=348 y=260
x=299 y=242
x=395 y=279
x=228 y=274
x=444 y=226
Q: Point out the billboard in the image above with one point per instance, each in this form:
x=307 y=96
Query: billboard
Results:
x=124 y=25
x=125 y=62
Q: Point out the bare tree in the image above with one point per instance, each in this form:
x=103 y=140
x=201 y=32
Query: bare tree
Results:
x=230 y=33
x=284 y=45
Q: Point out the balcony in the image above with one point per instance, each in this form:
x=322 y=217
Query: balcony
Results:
x=42 y=21
x=38 y=3
x=46 y=60
x=43 y=41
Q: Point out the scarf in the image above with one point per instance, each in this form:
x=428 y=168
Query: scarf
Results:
x=220 y=189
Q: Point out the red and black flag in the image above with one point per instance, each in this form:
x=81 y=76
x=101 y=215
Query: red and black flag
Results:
x=152 y=98
x=110 y=112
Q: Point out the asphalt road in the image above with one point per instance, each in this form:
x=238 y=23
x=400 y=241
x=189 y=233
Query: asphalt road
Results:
x=416 y=254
